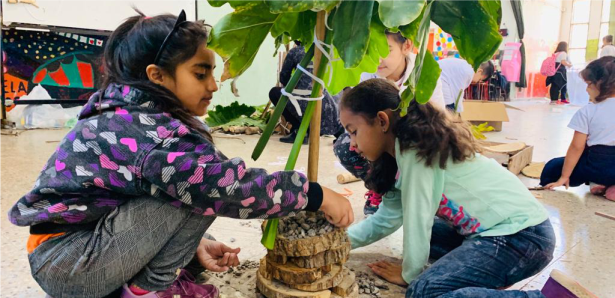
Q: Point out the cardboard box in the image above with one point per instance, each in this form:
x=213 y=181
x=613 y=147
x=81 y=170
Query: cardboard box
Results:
x=514 y=161
x=480 y=111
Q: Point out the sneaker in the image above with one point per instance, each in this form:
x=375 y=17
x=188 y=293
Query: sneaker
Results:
x=610 y=193
x=368 y=209
x=561 y=286
x=290 y=139
x=184 y=286
x=565 y=101
x=372 y=201
x=596 y=189
x=553 y=102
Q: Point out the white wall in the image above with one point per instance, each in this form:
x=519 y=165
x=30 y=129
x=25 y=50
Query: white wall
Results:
x=255 y=83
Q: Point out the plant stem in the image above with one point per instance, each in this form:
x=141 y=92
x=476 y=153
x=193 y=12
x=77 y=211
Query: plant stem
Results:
x=271 y=229
x=279 y=108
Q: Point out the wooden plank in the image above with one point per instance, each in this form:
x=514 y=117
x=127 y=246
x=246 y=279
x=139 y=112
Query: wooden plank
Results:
x=310 y=246
x=329 y=280
x=337 y=255
x=274 y=289
x=348 y=284
x=518 y=161
x=289 y=273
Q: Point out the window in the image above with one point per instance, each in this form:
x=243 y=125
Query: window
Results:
x=604 y=22
x=578 y=31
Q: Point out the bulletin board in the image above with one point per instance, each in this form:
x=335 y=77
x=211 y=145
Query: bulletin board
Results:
x=443 y=44
x=89 y=14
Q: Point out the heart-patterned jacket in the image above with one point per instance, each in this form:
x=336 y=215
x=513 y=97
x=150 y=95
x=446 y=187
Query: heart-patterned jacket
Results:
x=124 y=146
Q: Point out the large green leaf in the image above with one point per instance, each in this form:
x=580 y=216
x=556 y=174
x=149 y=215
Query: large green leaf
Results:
x=395 y=13
x=411 y=30
x=298 y=25
x=414 y=82
x=238 y=36
x=430 y=72
x=351 y=30
x=233 y=3
x=223 y=115
x=280 y=6
x=348 y=77
x=246 y=121
x=474 y=26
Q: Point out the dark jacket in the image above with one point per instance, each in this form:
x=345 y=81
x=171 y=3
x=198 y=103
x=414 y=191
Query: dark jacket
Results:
x=124 y=146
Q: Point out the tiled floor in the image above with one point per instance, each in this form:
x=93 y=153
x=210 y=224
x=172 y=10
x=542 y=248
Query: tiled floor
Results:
x=584 y=241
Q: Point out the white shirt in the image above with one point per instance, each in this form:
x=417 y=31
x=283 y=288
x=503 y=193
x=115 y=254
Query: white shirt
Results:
x=597 y=122
x=562 y=56
x=436 y=99
x=608 y=50
x=456 y=76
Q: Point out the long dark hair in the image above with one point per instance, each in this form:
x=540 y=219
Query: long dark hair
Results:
x=562 y=46
x=601 y=72
x=432 y=132
x=133 y=46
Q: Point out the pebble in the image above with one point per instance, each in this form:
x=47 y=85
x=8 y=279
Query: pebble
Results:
x=370 y=286
x=233 y=240
x=303 y=226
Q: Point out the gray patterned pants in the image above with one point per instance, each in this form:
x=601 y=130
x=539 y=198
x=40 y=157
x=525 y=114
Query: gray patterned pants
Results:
x=143 y=241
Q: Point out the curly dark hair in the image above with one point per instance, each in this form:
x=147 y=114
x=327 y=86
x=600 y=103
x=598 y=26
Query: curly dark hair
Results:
x=601 y=72
x=433 y=132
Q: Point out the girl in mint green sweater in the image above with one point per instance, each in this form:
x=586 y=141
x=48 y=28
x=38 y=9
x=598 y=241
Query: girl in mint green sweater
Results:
x=486 y=233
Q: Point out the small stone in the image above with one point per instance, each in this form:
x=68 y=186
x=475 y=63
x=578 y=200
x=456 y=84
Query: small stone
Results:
x=311 y=233
x=375 y=290
x=305 y=226
x=361 y=291
x=233 y=240
x=227 y=282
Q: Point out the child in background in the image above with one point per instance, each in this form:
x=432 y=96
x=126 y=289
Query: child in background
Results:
x=559 y=81
x=591 y=155
x=488 y=232
x=608 y=49
x=456 y=76
x=396 y=67
x=125 y=200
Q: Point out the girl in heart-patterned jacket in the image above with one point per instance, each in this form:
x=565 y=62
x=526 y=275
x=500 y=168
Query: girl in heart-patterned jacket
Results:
x=128 y=194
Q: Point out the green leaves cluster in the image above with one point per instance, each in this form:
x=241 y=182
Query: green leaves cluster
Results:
x=359 y=38
x=359 y=42
x=224 y=115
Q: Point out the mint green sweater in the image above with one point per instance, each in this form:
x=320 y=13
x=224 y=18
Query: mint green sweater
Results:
x=479 y=197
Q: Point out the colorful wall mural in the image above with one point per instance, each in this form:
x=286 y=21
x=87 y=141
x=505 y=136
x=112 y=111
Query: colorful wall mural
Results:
x=443 y=44
x=66 y=65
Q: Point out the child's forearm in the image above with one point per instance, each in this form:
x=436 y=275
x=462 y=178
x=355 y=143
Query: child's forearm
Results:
x=571 y=160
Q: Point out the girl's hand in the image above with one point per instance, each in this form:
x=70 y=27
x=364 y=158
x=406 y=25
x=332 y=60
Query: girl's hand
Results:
x=337 y=208
x=215 y=256
x=562 y=181
x=388 y=271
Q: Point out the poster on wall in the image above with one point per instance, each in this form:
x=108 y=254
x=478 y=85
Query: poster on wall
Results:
x=444 y=46
x=66 y=65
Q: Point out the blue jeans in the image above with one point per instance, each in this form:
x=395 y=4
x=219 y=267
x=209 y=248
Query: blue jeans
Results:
x=477 y=267
x=596 y=164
